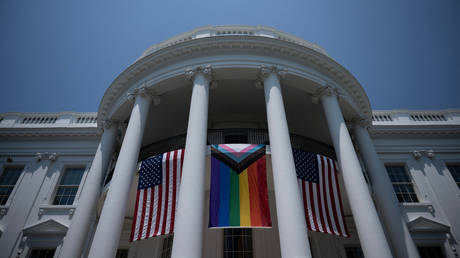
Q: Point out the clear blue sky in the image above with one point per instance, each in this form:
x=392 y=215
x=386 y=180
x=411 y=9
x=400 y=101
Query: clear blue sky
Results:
x=62 y=55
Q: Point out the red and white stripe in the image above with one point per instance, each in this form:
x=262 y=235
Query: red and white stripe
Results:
x=155 y=208
x=322 y=201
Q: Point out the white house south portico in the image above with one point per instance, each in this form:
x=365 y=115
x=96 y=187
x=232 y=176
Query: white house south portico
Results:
x=244 y=84
x=225 y=61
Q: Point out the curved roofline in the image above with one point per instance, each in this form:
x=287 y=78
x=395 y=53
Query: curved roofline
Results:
x=232 y=30
x=207 y=38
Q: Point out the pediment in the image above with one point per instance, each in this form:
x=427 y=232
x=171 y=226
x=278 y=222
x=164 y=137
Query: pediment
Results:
x=422 y=224
x=48 y=227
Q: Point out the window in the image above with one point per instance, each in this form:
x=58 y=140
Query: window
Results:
x=430 y=252
x=42 y=253
x=8 y=180
x=238 y=243
x=455 y=172
x=402 y=184
x=167 y=247
x=68 y=187
x=354 y=252
x=122 y=253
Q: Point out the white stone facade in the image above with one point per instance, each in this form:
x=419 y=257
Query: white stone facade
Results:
x=255 y=83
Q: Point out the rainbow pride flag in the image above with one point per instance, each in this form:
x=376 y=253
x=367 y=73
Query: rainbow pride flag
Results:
x=238 y=196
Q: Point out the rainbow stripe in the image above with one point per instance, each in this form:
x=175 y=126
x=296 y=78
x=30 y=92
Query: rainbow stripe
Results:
x=238 y=196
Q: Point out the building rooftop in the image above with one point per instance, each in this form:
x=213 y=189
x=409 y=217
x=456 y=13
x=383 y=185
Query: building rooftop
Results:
x=232 y=30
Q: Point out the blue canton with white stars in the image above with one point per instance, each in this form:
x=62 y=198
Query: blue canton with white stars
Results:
x=306 y=165
x=151 y=172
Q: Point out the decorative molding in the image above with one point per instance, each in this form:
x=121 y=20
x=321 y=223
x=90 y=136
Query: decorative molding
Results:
x=430 y=154
x=326 y=90
x=47 y=227
x=289 y=50
x=206 y=70
x=46 y=156
x=376 y=130
x=130 y=96
x=360 y=122
x=143 y=91
x=50 y=132
x=265 y=71
x=57 y=209
x=232 y=30
x=417 y=154
x=3 y=210
x=422 y=224
x=108 y=123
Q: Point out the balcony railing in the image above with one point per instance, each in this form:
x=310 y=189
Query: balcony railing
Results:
x=415 y=117
x=237 y=135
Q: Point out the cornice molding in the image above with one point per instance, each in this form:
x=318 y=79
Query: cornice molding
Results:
x=49 y=132
x=288 y=50
x=415 y=130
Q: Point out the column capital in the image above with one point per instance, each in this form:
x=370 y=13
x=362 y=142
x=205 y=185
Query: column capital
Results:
x=265 y=71
x=144 y=91
x=420 y=153
x=206 y=71
x=45 y=156
x=360 y=122
x=109 y=123
x=326 y=90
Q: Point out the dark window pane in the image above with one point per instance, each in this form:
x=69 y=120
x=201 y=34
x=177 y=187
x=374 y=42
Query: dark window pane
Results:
x=8 y=179
x=402 y=184
x=354 y=252
x=42 y=253
x=64 y=200
x=72 y=176
x=238 y=242
x=68 y=186
x=455 y=172
x=70 y=200
x=236 y=138
x=122 y=253
x=167 y=246
x=431 y=252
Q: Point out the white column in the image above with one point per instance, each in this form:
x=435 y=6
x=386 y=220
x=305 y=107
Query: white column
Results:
x=370 y=231
x=400 y=238
x=188 y=230
x=108 y=230
x=78 y=232
x=291 y=219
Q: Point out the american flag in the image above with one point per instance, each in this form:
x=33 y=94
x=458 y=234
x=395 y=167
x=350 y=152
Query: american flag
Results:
x=157 y=194
x=317 y=178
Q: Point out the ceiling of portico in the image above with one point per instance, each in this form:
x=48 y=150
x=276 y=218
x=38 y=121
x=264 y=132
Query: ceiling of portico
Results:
x=235 y=103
